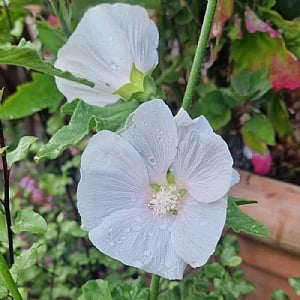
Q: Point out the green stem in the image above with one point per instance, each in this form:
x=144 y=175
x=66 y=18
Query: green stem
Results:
x=62 y=21
x=8 y=280
x=154 y=287
x=200 y=51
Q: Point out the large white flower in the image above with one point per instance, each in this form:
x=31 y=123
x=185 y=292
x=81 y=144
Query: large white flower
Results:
x=108 y=41
x=154 y=196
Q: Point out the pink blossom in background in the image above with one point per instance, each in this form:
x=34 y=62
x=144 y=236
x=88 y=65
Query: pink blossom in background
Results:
x=255 y=24
x=27 y=183
x=261 y=162
x=37 y=196
x=53 y=21
x=237 y=24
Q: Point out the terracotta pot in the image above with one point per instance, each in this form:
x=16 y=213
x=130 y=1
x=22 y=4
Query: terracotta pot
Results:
x=269 y=262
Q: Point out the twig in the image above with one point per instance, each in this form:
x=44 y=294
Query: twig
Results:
x=5 y=201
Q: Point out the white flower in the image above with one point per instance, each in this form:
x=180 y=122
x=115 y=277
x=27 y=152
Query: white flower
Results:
x=154 y=196
x=108 y=40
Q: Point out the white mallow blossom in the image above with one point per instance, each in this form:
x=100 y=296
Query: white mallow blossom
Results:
x=108 y=41
x=154 y=195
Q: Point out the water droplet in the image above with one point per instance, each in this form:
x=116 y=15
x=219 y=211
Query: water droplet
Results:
x=150 y=233
x=147 y=253
x=152 y=160
x=160 y=138
x=110 y=229
x=162 y=227
x=159 y=131
x=145 y=123
x=114 y=66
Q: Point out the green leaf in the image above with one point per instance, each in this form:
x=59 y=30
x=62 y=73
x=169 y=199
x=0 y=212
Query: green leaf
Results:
x=84 y=117
x=279 y=294
x=25 y=55
x=27 y=259
x=51 y=38
x=31 y=97
x=215 y=107
x=131 y=290
x=3 y=229
x=28 y=220
x=95 y=290
x=295 y=284
x=277 y=114
x=21 y=151
x=239 y=221
x=258 y=130
x=214 y=270
x=250 y=85
x=8 y=280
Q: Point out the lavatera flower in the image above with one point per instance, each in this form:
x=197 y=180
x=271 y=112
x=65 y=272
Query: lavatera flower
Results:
x=112 y=45
x=154 y=195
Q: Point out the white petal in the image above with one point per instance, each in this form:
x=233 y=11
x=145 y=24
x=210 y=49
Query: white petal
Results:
x=152 y=131
x=197 y=229
x=137 y=238
x=203 y=163
x=103 y=48
x=113 y=177
x=235 y=177
x=183 y=119
x=142 y=34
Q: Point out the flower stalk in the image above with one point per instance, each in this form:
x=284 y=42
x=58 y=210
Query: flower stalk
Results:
x=154 y=287
x=200 y=51
x=5 y=201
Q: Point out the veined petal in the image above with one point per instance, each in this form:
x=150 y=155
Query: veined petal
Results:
x=113 y=177
x=235 y=177
x=142 y=34
x=197 y=229
x=203 y=164
x=152 y=131
x=137 y=238
x=103 y=49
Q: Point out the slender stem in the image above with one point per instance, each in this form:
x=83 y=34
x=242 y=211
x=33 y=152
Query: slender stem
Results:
x=10 y=23
x=8 y=280
x=5 y=202
x=62 y=21
x=200 y=51
x=154 y=287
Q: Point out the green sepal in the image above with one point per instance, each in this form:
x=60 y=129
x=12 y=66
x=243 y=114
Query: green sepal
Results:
x=135 y=85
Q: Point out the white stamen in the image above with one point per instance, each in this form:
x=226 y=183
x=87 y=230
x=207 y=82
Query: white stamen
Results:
x=165 y=200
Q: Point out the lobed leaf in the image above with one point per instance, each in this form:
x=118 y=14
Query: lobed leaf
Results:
x=31 y=97
x=21 y=151
x=85 y=117
x=25 y=55
x=30 y=221
x=95 y=290
x=239 y=221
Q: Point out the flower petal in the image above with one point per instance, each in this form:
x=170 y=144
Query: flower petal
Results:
x=197 y=229
x=235 y=177
x=203 y=164
x=108 y=40
x=137 y=238
x=113 y=177
x=152 y=131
